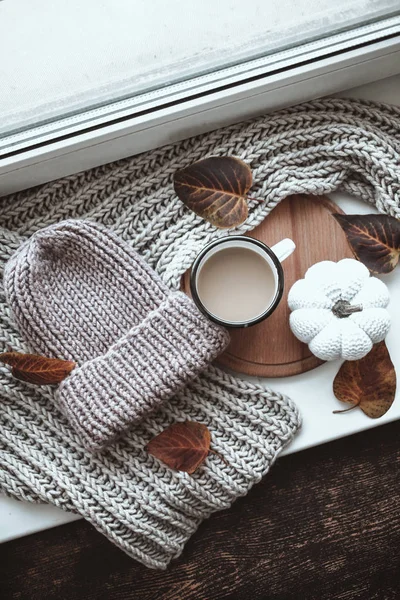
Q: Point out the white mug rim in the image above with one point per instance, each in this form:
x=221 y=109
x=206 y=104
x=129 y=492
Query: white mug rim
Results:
x=231 y=239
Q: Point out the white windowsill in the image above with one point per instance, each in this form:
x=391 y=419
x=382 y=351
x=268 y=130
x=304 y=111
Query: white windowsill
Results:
x=316 y=402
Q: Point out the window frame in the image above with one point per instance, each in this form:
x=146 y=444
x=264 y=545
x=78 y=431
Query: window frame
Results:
x=147 y=121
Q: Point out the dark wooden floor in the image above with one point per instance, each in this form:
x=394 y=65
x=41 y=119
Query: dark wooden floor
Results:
x=324 y=525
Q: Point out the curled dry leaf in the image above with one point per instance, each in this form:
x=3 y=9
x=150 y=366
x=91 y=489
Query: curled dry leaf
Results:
x=369 y=383
x=374 y=240
x=216 y=189
x=182 y=446
x=37 y=369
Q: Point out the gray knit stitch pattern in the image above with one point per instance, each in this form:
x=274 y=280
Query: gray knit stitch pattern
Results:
x=146 y=509
x=80 y=293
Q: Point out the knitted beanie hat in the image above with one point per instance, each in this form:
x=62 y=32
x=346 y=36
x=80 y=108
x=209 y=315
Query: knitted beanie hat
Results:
x=80 y=293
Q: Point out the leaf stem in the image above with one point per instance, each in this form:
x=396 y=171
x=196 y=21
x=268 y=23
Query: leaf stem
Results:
x=219 y=455
x=345 y=410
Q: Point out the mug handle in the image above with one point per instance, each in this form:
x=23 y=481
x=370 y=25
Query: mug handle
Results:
x=283 y=249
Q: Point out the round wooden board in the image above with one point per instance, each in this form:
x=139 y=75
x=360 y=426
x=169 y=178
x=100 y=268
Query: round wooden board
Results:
x=269 y=349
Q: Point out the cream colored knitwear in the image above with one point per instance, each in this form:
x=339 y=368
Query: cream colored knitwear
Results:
x=146 y=509
x=316 y=321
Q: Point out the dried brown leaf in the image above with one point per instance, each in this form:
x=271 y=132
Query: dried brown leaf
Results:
x=216 y=189
x=374 y=240
x=182 y=446
x=37 y=369
x=369 y=383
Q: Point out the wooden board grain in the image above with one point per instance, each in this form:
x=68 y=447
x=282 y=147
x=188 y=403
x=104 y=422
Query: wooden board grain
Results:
x=269 y=349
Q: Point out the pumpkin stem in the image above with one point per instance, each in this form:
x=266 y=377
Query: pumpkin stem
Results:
x=343 y=309
x=344 y=410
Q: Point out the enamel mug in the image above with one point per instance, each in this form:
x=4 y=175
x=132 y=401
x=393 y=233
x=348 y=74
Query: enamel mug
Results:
x=238 y=281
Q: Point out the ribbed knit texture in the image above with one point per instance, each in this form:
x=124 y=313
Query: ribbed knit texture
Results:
x=80 y=293
x=315 y=322
x=146 y=509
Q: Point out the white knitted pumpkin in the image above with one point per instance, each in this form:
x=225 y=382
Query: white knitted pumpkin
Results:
x=339 y=310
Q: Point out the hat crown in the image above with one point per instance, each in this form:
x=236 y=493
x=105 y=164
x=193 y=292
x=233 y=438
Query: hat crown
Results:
x=75 y=288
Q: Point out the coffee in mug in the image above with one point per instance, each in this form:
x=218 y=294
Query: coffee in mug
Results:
x=237 y=281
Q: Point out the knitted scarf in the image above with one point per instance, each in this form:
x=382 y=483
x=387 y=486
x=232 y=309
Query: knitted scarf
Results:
x=148 y=510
